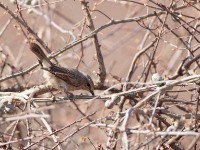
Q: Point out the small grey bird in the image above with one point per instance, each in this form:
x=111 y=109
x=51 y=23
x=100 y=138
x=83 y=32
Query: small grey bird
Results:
x=61 y=78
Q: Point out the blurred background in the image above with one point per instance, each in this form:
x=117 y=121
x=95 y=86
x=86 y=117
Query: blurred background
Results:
x=62 y=22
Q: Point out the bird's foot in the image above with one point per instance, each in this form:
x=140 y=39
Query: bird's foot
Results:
x=70 y=96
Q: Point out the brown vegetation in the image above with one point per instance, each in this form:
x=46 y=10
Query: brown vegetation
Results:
x=143 y=57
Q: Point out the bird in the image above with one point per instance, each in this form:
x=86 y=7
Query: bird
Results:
x=61 y=78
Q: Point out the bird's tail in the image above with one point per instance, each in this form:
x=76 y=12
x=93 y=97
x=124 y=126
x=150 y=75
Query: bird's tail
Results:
x=36 y=49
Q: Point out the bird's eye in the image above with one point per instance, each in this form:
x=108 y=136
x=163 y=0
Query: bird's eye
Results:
x=88 y=84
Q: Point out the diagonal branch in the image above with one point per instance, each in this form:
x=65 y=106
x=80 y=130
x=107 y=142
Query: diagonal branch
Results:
x=102 y=70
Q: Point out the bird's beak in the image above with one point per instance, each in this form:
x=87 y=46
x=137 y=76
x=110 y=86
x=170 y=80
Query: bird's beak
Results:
x=92 y=92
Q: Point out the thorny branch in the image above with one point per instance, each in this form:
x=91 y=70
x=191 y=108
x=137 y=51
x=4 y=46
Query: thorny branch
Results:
x=150 y=50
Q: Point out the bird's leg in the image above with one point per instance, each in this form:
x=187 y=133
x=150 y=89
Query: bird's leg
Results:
x=70 y=95
x=53 y=96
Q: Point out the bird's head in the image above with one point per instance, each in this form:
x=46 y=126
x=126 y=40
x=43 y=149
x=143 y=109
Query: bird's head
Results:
x=89 y=85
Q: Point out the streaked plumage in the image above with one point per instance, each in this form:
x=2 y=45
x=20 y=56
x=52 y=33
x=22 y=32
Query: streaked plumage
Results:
x=62 y=78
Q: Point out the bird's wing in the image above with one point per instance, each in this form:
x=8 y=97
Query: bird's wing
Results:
x=70 y=76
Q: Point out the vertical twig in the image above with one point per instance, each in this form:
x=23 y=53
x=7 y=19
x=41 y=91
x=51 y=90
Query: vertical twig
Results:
x=102 y=70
